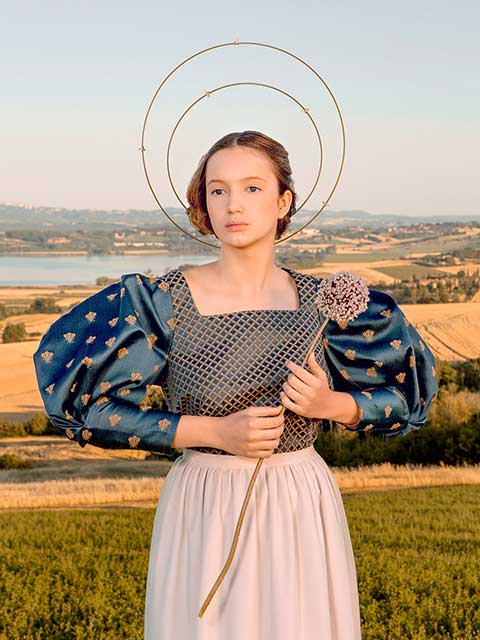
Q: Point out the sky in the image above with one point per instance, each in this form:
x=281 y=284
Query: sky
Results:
x=77 y=78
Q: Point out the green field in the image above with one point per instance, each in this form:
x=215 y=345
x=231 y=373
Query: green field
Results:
x=81 y=574
x=405 y=272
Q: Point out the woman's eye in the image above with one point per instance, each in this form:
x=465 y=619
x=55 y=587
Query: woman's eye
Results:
x=216 y=190
x=253 y=187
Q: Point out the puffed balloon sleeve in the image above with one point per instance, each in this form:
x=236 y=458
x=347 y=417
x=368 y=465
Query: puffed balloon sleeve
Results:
x=382 y=361
x=96 y=362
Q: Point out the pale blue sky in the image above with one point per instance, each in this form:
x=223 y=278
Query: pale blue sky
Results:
x=77 y=78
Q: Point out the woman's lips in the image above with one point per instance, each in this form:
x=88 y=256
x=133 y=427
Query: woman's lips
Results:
x=237 y=225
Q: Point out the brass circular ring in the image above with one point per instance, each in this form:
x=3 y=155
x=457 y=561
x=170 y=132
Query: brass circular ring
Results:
x=206 y=94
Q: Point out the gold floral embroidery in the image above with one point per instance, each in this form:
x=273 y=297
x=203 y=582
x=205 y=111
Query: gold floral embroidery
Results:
x=151 y=338
x=122 y=292
x=85 y=398
x=114 y=419
x=69 y=433
x=73 y=387
x=400 y=377
x=368 y=394
x=133 y=440
x=131 y=320
x=325 y=342
x=104 y=386
x=434 y=373
x=112 y=296
x=163 y=424
x=91 y=315
x=369 y=426
x=388 y=410
x=395 y=425
x=69 y=363
x=124 y=392
x=135 y=375
x=422 y=401
x=46 y=356
x=90 y=339
x=171 y=323
x=371 y=371
x=344 y=373
x=101 y=400
x=113 y=321
x=139 y=279
x=379 y=363
x=143 y=405
x=343 y=324
x=69 y=336
x=412 y=360
x=121 y=353
x=163 y=285
x=368 y=334
x=87 y=361
x=50 y=387
x=386 y=313
x=421 y=345
x=396 y=344
x=86 y=434
x=111 y=341
x=152 y=279
x=350 y=354
x=68 y=415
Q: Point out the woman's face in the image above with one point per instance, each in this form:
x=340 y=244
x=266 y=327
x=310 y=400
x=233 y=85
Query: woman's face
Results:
x=242 y=196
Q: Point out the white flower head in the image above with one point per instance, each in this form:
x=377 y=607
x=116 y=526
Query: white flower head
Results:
x=342 y=296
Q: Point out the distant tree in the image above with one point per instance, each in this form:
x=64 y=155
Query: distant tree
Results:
x=44 y=305
x=14 y=332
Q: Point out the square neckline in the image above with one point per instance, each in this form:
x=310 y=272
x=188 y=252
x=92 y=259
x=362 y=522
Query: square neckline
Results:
x=292 y=273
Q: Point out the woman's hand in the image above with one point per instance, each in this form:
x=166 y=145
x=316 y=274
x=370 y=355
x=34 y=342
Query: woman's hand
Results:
x=253 y=432
x=306 y=392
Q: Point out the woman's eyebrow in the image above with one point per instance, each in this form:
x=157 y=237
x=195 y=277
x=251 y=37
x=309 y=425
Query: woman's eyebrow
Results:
x=242 y=179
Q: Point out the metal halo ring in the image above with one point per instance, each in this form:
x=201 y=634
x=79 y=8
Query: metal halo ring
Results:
x=207 y=95
x=235 y=43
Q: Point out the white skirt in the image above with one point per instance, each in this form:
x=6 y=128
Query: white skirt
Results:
x=293 y=574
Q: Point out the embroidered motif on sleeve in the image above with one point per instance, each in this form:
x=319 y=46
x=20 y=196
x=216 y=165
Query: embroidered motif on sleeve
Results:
x=114 y=419
x=87 y=361
x=350 y=354
x=46 y=356
x=86 y=434
x=113 y=321
x=371 y=371
x=131 y=320
x=396 y=344
x=50 y=387
x=111 y=341
x=368 y=334
x=104 y=386
x=163 y=424
x=388 y=410
x=69 y=337
x=91 y=315
x=122 y=352
x=90 y=339
x=135 y=375
x=400 y=377
x=133 y=441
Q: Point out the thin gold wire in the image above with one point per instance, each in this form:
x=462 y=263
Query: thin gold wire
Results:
x=235 y=43
x=207 y=94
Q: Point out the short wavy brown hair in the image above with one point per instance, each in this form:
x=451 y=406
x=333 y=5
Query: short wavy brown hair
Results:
x=275 y=152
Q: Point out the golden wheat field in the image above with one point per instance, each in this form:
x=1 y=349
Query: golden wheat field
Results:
x=66 y=475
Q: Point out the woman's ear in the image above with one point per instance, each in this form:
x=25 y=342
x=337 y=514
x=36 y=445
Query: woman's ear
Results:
x=284 y=203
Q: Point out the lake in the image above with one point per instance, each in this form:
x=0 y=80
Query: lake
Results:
x=82 y=269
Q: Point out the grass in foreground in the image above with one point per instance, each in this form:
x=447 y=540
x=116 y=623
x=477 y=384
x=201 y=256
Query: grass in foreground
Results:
x=81 y=575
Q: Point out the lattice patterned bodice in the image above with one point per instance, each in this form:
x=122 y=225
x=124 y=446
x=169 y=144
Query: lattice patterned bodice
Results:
x=222 y=363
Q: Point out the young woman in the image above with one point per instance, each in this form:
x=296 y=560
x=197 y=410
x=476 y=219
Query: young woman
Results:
x=226 y=343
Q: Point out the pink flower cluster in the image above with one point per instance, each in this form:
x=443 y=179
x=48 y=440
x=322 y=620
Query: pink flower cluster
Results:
x=342 y=297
